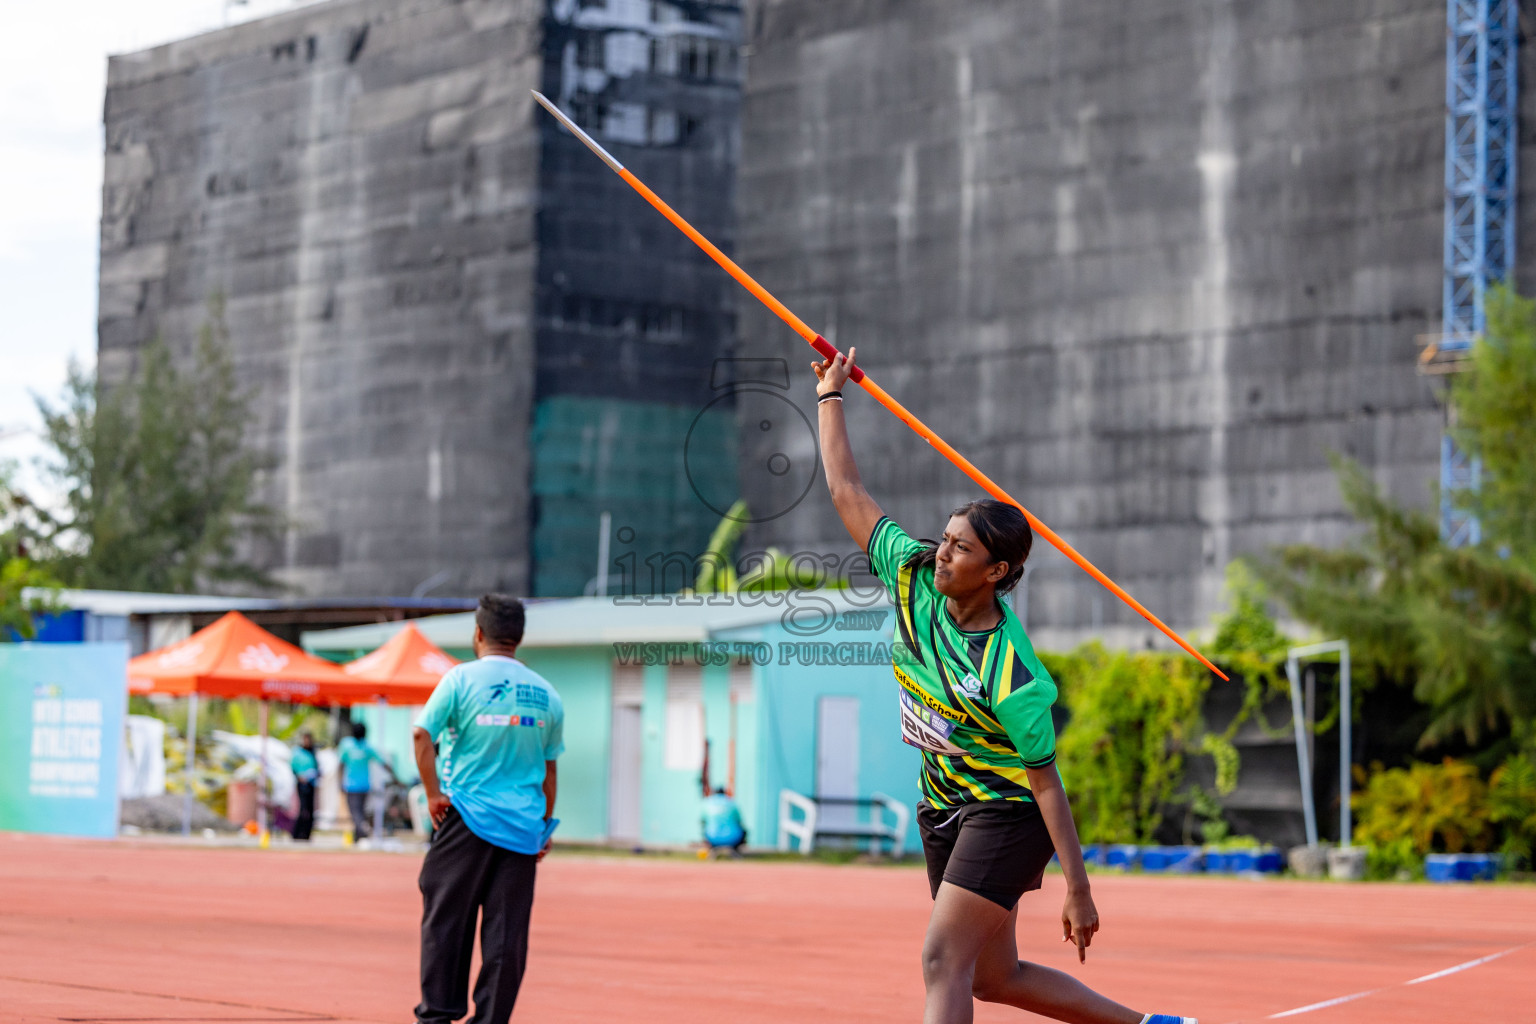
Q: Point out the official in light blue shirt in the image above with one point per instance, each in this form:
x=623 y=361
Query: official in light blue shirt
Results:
x=501 y=724
x=354 y=754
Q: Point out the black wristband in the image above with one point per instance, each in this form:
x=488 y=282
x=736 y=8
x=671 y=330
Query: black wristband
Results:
x=828 y=397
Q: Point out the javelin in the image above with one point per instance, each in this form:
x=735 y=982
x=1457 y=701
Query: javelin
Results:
x=858 y=376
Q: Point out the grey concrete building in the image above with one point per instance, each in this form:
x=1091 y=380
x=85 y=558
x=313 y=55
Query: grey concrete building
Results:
x=464 y=339
x=1146 y=263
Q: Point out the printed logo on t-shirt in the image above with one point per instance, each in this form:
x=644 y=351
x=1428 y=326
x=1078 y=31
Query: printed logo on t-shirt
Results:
x=971 y=685
x=503 y=720
x=532 y=696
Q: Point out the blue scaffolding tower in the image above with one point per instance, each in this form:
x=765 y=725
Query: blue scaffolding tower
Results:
x=1480 y=189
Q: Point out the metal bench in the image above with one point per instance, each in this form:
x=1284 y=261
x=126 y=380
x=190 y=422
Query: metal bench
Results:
x=810 y=825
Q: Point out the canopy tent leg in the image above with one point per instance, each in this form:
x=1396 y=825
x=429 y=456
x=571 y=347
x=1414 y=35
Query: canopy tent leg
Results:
x=378 y=808
x=261 y=785
x=187 y=770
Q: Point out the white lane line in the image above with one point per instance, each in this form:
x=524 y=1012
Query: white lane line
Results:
x=1463 y=967
x=1324 y=1004
x=1370 y=992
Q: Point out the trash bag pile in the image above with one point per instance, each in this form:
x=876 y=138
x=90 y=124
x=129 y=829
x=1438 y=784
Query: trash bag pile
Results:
x=163 y=814
x=215 y=766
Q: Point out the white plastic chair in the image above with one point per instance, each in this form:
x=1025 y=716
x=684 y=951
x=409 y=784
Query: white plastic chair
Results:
x=804 y=829
x=899 y=830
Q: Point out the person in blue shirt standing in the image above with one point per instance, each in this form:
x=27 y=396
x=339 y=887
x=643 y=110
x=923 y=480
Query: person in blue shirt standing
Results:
x=355 y=754
x=306 y=772
x=503 y=725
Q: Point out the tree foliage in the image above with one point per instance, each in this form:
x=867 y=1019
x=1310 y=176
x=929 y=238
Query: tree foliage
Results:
x=1512 y=805
x=1458 y=625
x=1495 y=417
x=1448 y=808
x=760 y=571
x=1436 y=808
x=1134 y=719
x=1247 y=631
x=21 y=582
x=24 y=584
x=158 y=484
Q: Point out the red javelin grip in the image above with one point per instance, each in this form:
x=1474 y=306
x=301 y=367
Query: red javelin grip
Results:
x=829 y=351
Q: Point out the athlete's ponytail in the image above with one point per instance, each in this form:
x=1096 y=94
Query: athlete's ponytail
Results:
x=1002 y=530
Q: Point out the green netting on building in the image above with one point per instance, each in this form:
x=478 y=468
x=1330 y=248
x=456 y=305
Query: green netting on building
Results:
x=595 y=455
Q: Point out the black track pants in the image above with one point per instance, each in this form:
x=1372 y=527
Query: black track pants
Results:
x=464 y=875
x=304 y=824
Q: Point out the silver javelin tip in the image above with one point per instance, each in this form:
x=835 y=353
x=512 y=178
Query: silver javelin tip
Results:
x=602 y=153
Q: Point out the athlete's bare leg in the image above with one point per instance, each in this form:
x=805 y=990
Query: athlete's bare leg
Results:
x=960 y=928
x=1001 y=977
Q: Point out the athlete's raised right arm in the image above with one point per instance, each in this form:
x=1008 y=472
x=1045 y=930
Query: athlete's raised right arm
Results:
x=853 y=503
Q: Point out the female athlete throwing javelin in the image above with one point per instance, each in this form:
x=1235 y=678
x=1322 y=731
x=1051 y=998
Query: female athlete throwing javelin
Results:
x=976 y=700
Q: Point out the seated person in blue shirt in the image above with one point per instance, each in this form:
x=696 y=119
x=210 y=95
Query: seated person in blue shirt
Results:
x=502 y=725
x=355 y=754
x=722 y=822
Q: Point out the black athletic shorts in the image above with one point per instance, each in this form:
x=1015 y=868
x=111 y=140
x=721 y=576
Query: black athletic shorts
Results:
x=997 y=849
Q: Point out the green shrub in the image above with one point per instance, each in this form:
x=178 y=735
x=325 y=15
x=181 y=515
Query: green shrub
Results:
x=1394 y=859
x=1133 y=718
x=1230 y=843
x=1512 y=805
x=1434 y=808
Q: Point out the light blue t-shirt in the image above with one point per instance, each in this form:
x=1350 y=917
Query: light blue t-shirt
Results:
x=305 y=767
x=354 y=756
x=499 y=721
x=722 y=821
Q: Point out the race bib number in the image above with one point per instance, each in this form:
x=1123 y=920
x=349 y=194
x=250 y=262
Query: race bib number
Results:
x=926 y=729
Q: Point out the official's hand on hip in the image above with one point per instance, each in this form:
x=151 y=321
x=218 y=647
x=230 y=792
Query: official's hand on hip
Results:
x=437 y=807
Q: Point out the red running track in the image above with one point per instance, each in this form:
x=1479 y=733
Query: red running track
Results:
x=132 y=930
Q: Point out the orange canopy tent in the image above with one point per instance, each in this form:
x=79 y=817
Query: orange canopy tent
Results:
x=234 y=657
x=405 y=670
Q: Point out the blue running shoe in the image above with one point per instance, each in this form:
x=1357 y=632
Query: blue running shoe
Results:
x=1168 y=1018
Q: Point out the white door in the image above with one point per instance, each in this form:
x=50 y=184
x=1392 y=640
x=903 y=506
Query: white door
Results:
x=837 y=757
x=624 y=753
x=683 y=746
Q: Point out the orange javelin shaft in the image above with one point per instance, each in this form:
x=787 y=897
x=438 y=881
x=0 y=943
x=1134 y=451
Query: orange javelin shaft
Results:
x=826 y=349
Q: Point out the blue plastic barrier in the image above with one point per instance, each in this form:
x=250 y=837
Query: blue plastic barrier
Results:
x=1171 y=858
x=1477 y=867
x=1461 y=867
x=1121 y=856
x=1440 y=867
x=1244 y=861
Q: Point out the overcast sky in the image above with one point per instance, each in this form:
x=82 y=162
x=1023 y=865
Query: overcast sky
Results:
x=51 y=84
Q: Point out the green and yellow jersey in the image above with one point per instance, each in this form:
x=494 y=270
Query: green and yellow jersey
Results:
x=978 y=704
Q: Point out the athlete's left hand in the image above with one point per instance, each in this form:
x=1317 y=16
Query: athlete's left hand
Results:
x=544 y=851
x=832 y=374
x=1079 y=920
